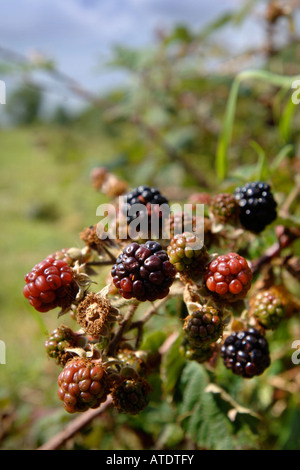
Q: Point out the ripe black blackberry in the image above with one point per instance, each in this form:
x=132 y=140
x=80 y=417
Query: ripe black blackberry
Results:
x=257 y=206
x=143 y=272
x=144 y=203
x=246 y=353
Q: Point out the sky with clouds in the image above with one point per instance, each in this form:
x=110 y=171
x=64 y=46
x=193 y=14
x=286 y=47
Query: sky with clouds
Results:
x=79 y=34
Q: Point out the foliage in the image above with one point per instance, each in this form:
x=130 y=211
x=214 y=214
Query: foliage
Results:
x=186 y=126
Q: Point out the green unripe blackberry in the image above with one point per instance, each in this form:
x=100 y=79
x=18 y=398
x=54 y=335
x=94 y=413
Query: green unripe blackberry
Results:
x=203 y=326
x=188 y=253
x=57 y=343
x=131 y=395
x=268 y=309
x=199 y=355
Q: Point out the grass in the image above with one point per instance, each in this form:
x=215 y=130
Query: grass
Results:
x=46 y=200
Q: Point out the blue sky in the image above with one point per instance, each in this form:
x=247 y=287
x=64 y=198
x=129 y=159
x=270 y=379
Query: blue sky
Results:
x=79 y=34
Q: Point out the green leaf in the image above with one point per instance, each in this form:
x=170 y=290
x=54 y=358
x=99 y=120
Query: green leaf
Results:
x=204 y=415
x=262 y=171
x=153 y=341
x=226 y=134
x=171 y=366
x=282 y=154
x=286 y=120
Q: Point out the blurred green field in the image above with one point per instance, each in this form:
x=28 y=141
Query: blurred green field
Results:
x=180 y=128
x=46 y=201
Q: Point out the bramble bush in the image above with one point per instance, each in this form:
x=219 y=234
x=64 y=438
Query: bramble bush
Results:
x=185 y=338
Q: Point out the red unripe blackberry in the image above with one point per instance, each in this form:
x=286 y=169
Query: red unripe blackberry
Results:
x=82 y=385
x=48 y=284
x=223 y=207
x=246 y=353
x=143 y=272
x=131 y=395
x=203 y=326
x=229 y=277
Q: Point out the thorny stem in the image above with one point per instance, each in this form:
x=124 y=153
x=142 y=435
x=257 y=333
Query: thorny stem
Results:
x=75 y=426
x=124 y=325
x=286 y=238
x=100 y=263
x=139 y=324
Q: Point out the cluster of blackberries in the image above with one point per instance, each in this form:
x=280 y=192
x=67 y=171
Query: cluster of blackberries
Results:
x=145 y=271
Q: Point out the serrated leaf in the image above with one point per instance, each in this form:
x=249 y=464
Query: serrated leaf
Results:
x=171 y=366
x=204 y=415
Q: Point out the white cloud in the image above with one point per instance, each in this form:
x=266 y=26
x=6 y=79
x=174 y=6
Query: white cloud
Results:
x=78 y=33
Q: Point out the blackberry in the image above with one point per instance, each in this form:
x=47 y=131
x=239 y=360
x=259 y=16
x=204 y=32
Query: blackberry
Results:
x=82 y=385
x=200 y=355
x=203 y=326
x=72 y=255
x=246 y=353
x=143 y=272
x=131 y=395
x=267 y=308
x=229 y=277
x=223 y=207
x=57 y=343
x=257 y=206
x=144 y=203
x=188 y=253
x=50 y=284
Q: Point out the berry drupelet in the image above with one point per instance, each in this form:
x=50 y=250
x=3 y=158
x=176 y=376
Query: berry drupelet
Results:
x=188 y=253
x=257 y=206
x=203 y=326
x=131 y=395
x=145 y=203
x=143 y=272
x=58 y=343
x=246 y=353
x=223 y=207
x=49 y=284
x=229 y=277
x=82 y=385
x=268 y=309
